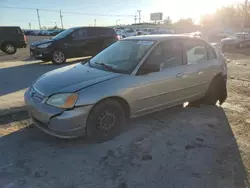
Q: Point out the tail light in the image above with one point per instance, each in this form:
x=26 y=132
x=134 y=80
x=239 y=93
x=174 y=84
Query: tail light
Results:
x=25 y=38
x=118 y=37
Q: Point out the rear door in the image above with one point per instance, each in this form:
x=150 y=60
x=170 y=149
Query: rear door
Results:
x=100 y=38
x=200 y=67
x=110 y=36
x=96 y=38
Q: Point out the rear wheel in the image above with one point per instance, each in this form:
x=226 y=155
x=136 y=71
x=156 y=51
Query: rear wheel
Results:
x=58 y=57
x=9 y=48
x=213 y=93
x=105 y=121
x=216 y=91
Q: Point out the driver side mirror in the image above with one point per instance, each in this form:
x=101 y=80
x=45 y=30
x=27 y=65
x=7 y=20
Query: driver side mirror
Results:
x=149 y=68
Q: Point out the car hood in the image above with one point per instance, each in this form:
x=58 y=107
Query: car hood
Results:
x=42 y=42
x=71 y=79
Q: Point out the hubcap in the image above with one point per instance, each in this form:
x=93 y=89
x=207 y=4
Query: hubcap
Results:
x=58 y=57
x=106 y=121
x=10 y=48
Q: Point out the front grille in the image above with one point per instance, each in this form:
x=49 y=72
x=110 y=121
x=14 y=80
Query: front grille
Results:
x=35 y=96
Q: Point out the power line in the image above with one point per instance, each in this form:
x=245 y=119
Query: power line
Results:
x=68 y=12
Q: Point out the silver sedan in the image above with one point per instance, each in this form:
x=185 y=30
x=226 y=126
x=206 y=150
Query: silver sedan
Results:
x=130 y=78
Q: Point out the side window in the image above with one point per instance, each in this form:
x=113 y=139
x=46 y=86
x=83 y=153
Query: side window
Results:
x=195 y=51
x=172 y=54
x=12 y=31
x=80 y=33
x=157 y=55
x=167 y=54
x=211 y=53
x=94 y=32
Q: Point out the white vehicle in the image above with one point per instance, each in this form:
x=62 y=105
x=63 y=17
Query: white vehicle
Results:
x=146 y=31
x=128 y=33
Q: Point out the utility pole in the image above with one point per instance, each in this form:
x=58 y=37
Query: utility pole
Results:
x=94 y=22
x=135 y=18
x=30 y=26
x=61 y=18
x=38 y=17
x=139 y=12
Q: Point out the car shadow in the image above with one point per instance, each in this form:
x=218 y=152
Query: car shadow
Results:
x=16 y=78
x=177 y=147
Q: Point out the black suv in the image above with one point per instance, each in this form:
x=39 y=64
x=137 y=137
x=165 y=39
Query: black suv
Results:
x=11 y=38
x=73 y=42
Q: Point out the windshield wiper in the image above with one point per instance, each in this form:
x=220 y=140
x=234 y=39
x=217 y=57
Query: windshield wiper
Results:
x=88 y=61
x=106 y=66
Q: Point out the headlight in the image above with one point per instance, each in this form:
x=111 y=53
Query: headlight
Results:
x=63 y=100
x=44 y=45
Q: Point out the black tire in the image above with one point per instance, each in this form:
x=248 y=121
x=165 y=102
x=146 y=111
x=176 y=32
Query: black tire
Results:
x=216 y=91
x=58 y=57
x=213 y=92
x=97 y=129
x=9 y=48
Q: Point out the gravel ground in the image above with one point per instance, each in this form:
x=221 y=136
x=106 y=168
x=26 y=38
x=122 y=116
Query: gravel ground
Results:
x=177 y=147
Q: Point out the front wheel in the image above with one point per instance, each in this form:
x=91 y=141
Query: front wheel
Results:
x=105 y=121
x=58 y=57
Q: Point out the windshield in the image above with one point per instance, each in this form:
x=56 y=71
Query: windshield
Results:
x=122 y=56
x=63 y=34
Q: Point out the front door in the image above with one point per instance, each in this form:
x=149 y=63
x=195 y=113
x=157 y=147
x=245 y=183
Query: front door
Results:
x=164 y=88
x=75 y=46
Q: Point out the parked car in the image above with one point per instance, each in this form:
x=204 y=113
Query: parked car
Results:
x=238 y=40
x=128 y=33
x=74 y=42
x=130 y=78
x=43 y=33
x=158 y=33
x=11 y=38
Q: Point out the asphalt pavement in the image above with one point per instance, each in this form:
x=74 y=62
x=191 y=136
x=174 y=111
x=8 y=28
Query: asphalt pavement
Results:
x=17 y=73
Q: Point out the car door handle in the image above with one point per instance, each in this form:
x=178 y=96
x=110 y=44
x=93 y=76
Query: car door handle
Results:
x=180 y=74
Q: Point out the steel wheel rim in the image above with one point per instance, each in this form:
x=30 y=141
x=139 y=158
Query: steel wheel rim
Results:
x=58 y=57
x=106 y=121
x=10 y=48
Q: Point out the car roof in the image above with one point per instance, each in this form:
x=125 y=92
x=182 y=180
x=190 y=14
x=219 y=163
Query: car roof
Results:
x=9 y=27
x=161 y=37
x=92 y=27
